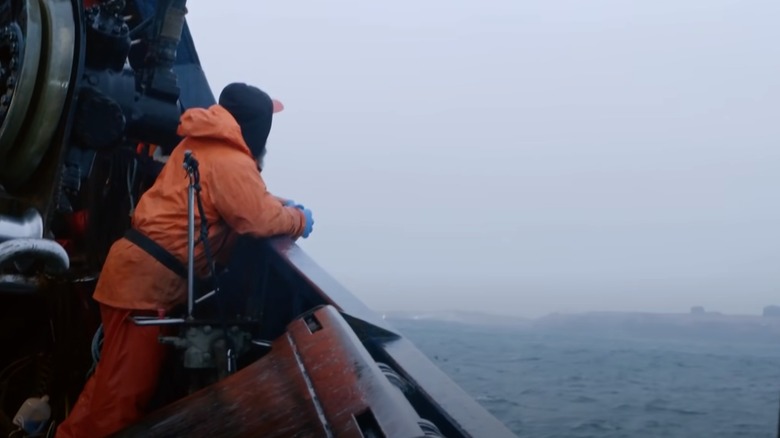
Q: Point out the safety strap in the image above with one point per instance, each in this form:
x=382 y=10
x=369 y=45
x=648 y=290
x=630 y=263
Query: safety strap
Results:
x=158 y=252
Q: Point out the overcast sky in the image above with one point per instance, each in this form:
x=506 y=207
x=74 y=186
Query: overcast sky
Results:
x=522 y=156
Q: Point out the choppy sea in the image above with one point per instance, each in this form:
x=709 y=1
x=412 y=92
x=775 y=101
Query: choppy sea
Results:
x=550 y=385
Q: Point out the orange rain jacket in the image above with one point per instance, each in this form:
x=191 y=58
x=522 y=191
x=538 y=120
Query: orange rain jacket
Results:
x=235 y=200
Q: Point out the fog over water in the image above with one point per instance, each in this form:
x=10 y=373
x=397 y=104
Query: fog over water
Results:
x=522 y=157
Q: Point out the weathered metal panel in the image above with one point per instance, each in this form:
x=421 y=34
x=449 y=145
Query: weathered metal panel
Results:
x=315 y=382
x=436 y=396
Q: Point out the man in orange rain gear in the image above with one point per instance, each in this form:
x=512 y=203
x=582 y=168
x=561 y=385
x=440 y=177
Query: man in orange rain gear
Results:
x=228 y=140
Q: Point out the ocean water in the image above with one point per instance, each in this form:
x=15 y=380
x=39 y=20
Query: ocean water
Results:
x=549 y=385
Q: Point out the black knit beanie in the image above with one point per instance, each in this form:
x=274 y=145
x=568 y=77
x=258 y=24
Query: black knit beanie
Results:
x=253 y=109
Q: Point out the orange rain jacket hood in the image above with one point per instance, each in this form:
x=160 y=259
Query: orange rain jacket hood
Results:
x=235 y=200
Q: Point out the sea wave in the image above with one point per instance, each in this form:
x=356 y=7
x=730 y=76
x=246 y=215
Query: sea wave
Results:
x=552 y=385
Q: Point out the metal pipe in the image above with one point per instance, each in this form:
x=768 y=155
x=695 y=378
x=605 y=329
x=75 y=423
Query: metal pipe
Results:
x=261 y=343
x=157 y=321
x=28 y=226
x=191 y=247
x=19 y=284
x=53 y=253
x=205 y=297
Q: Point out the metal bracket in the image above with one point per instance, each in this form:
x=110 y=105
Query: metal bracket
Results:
x=190 y=164
x=152 y=320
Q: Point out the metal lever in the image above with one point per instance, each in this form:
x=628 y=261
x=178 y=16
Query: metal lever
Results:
x=191 y=166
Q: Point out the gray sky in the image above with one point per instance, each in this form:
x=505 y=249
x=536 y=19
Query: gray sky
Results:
x=522 y=157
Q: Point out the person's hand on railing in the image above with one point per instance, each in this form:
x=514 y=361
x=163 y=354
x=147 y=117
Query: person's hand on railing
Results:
x=291 y=203
x=286 y=202
x=309 y=222
x=308 y=228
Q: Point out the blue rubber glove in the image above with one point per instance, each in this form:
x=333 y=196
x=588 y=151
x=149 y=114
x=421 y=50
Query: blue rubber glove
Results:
x=309 y=222
x=291 y=203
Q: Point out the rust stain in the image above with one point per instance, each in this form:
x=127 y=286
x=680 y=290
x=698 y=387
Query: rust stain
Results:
x=308 y=385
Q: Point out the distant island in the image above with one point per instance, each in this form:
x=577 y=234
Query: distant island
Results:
x=459 y=317
x=696 y=323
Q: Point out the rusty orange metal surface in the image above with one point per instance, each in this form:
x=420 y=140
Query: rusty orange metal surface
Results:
x=317 y=381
